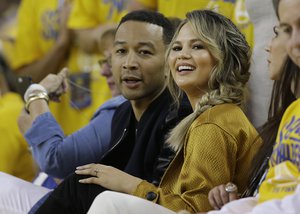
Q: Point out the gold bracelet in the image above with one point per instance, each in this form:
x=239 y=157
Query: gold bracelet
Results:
x=36 y=96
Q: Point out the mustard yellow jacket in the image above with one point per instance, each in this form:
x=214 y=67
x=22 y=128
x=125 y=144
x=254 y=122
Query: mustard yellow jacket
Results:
x=219 y=148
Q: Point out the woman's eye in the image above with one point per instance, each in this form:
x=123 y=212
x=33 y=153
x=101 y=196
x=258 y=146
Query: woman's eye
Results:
x=198 y=47
x=286 y=30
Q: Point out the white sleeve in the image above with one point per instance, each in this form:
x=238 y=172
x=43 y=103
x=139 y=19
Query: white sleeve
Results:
x=120 y=203
x=18 y=196
x=290 y=204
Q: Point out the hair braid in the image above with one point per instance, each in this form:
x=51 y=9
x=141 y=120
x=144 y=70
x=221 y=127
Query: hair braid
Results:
x=230 y=74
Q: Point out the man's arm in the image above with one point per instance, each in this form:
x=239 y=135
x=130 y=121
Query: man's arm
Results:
x=142 y=5
x=50 y=63
x=89 y=39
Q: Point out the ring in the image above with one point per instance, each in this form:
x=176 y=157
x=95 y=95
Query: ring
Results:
x=96 y=172
x=230 y=187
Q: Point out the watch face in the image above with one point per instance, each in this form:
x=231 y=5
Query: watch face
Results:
x=22 y=83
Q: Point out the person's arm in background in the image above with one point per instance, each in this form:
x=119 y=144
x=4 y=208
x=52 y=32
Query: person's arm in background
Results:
x=90 y=19
x=142 y=5
x=55 y=153
x=53 y=60
x=88 y=39
x=58 y=155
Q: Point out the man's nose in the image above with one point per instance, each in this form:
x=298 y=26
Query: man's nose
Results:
x=130 y=62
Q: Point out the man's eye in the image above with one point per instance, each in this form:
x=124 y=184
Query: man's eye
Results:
x=120 y=51
x=145 y=52
x=176 y=48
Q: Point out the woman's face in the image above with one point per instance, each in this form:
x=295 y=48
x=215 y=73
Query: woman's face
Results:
x=190 y=62
x=277 y=54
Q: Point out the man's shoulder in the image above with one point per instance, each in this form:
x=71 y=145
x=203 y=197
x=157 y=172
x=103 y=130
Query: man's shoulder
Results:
x=110 y=105
x=123 y=112
x=124 y=107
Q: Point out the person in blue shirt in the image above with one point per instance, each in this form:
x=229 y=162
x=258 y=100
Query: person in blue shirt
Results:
x=56 y=154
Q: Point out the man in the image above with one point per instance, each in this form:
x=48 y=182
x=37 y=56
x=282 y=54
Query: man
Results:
x=139 y=126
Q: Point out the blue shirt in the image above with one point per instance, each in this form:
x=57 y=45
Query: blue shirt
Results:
x=58 y=155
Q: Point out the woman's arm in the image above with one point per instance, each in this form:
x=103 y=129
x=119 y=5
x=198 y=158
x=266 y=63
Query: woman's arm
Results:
x=207 y=163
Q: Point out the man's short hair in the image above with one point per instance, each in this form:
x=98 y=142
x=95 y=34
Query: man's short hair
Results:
x=152 y=18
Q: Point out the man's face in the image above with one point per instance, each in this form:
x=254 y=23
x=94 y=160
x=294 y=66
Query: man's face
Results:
x=138 y=60
x=289 y=14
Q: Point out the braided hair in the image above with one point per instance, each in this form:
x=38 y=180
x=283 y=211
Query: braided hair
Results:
x=227 y=83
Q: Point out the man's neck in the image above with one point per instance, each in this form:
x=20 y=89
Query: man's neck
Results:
x=141 y=105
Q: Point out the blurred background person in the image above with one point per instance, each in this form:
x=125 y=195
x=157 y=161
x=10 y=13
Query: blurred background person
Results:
x=44 y=44
x=15 y=156
x=263 y=18
x=8 y=20
x=89 y=20
x=233 y=9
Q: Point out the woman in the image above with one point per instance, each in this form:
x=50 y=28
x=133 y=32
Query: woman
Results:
x=209 y=60
x=284 y=73
x=286 y=76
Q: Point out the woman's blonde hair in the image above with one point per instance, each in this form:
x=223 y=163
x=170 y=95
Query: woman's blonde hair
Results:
x=229 y=76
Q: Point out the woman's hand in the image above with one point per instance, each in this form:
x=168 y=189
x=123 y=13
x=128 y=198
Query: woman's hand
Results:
x=218 y=196
x=108 y=177
x=55 y=84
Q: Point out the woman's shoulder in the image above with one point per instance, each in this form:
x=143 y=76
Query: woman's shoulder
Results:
x=228 y=117
x=222 y=113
